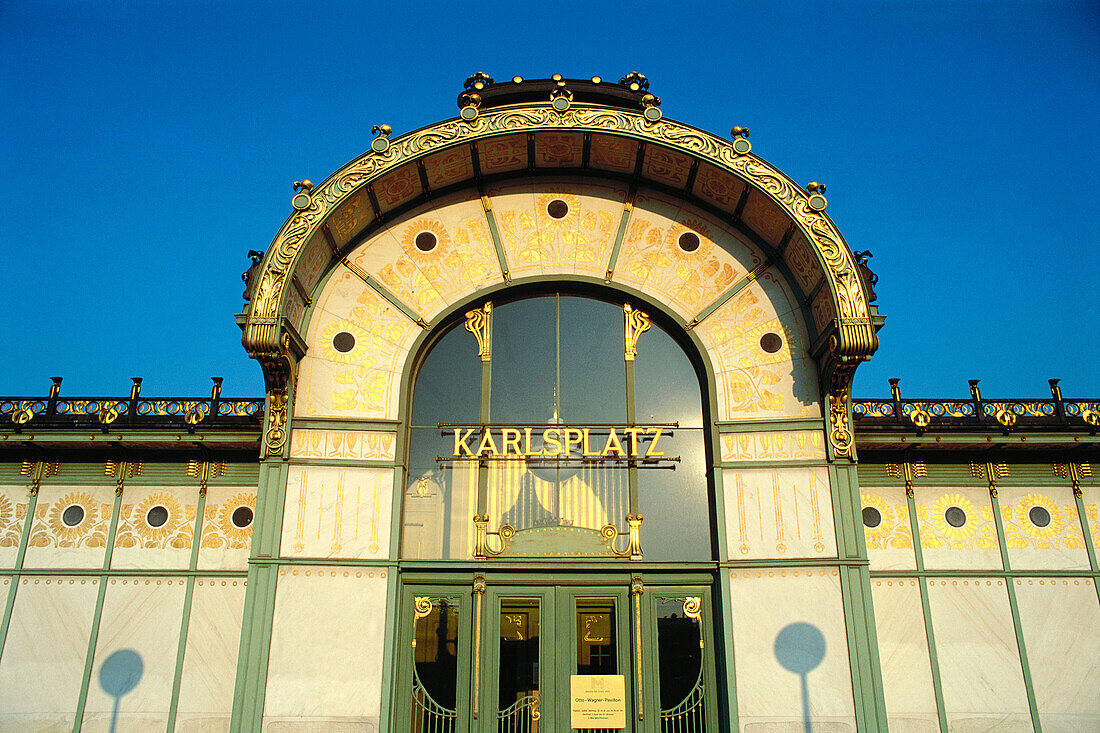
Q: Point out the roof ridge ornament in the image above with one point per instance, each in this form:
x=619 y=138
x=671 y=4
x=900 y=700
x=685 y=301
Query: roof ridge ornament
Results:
x=817 y=200
x=477 y=81
x=635 y=82
x=381 y=141
x=741 y=142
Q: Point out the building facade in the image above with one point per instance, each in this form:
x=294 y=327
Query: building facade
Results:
x=558 y=434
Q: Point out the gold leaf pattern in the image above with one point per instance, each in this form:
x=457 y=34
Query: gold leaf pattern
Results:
x=50 y=531
x=11 y=521
x=894 y=532
x=134 y=529
x=218 y=529
x=979 y=531
x=1063 y=530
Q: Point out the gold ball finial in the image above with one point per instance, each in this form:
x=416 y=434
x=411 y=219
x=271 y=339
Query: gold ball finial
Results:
x=303 y=185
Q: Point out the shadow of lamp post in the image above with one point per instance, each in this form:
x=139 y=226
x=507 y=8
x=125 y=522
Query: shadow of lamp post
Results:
x=800 y=647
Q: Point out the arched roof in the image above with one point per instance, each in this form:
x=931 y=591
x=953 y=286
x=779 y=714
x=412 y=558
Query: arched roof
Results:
x=525 y=129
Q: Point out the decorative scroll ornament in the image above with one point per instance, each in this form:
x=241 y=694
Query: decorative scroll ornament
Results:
x=635 y=323
x=479 y=322
x=693 y=608
x=854 y=341
x=840 y=426
x=634 y=533
x=275 y=432
x=422 y=606
x=482 y=549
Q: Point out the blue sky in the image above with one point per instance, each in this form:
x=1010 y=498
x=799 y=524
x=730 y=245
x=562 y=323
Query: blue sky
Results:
x=146 y=146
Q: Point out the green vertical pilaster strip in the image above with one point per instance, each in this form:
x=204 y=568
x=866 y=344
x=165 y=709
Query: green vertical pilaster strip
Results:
x=1010 y=583
x=613 y=260
x=185 y=624
x=1082 y=515
x=485 y=351
x=9 y=604
x=631 y=416
x=855 y=587
x=389 y=647
x=259 y=599
x=926 y=607
x=725 y=297
x=97 y=616
x=725 y=604
x=494 y=233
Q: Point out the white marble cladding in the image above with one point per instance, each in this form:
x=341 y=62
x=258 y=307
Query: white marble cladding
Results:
x=778 y=513
x=903 y=654
x=325 y=667
x=337 y=512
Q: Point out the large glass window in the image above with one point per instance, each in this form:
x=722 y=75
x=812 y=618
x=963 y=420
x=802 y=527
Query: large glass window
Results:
x=489 y=435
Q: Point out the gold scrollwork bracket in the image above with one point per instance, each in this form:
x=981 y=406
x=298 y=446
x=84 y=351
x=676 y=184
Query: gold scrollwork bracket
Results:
x=482 y=550
x=38 y=470
x=633 y=548
x=635 y=323
x=479 y=322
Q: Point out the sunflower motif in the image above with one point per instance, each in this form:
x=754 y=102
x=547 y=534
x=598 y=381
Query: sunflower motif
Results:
x=83 y=531
x=890 y=532
x=1043 y=537
x=9 y=532
x=233 y=536
x=569 y=221
x=157 y=536
x=358 y=351
x=430 y=226
x=672 y=240
x=974 y=532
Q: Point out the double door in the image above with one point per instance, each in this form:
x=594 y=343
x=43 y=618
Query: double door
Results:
x=506 y=656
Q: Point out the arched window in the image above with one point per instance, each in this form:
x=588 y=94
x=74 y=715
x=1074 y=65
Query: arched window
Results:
x=547 y=430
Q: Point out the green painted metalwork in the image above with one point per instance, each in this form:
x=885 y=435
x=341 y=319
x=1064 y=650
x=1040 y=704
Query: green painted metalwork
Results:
x=926 y=610
x=185 y=623
x=1013 y=606
x=9 y=603
x=97 y=616
x=620 y=234
x=498 y=244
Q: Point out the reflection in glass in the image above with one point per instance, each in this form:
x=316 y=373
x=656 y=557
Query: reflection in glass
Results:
x=518 y=703
x=596 y=637
x=435 y=666
x=680 y=665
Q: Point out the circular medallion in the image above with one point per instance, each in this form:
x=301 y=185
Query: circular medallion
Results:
x=242 y=517
x=817 y=201
x=468 y=113
x=73 y=515
x=688 y=241
x=872 y=517
x=560 y=104
x=771 y=342
x=380 y=144
x=343 y=342
x=157 y=516
x=652 y=114
x=955 y=516
x=1039 y=516
x=557 y=209
x=425 y=241
x=300 y=201
x=742 y=146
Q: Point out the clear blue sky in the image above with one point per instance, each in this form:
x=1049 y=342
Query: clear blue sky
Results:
x=146 y=146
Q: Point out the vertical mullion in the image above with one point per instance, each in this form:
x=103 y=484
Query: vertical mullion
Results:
x=189 y=595
x=9 y=604
x=926 y=606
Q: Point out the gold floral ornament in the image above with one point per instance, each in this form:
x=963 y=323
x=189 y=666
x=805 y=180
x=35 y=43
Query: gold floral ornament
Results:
x=365 y=384
x=892 y=532
x=219 y=529
x=51 y=529
x=135 y=529
x=1060 y=529
x=976 y=532
x=10 y=516
x=437 y=261
x=560 y=230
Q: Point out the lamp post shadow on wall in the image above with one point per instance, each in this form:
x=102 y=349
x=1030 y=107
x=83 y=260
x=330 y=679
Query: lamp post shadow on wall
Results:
x=800 y=647
x=120 y=674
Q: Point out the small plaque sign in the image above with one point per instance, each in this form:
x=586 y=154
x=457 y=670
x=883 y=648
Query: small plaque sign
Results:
x=597 y=701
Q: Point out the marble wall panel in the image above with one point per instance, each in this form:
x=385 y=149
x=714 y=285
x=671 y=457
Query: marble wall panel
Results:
x=1042 y=528
x=210 y=659
x=138 y=634
x=778 y=513
x=337 y=512
x=890 y=542
x=786 y=623
x=47 y=641
x=774 y=445
x=362 y=382
x=980 y=672
x=755 y=382
x=13 y=515
x=391 y=257
x=325 y=668
x=139 y=544
x=970 y=546
x=226 y=538
x=54 y=543
x=652 y=260
x=903 y=653
x=578 y=243
x=343 y=445
x=1060 y=618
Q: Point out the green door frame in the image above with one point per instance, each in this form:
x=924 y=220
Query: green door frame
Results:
x=478 y=598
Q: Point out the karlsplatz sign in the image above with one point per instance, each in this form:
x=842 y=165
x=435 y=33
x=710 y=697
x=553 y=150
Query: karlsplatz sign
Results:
x=605 y=442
